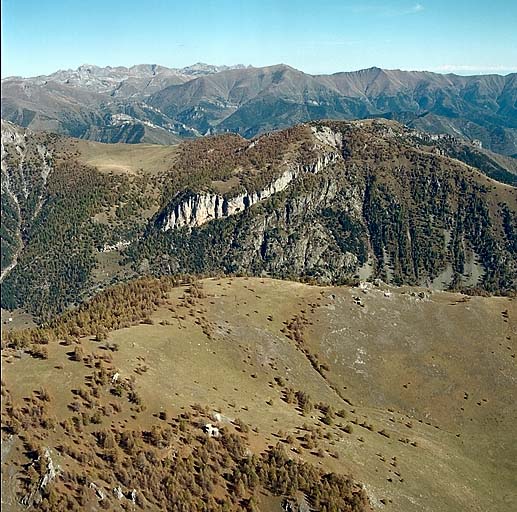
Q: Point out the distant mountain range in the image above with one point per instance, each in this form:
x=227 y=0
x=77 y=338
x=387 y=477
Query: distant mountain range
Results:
x=151 y=103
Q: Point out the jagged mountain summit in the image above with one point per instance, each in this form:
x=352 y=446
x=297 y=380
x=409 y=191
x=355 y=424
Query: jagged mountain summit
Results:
x=149 y=103
x=104 y=104
x=136 y=81
x=331 y=202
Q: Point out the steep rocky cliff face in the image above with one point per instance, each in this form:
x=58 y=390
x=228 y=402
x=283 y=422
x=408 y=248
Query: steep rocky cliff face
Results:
x=195 y=209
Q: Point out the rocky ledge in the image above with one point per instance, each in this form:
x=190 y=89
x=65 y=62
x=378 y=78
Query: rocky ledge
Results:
x=192 y=209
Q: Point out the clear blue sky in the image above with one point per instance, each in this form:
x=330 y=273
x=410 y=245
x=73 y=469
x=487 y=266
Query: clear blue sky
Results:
x=316 y=36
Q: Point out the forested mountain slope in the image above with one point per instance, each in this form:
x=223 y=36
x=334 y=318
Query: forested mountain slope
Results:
x=328 y=201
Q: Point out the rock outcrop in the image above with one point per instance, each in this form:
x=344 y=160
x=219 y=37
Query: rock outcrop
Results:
x=51 y=472
x=195 y=209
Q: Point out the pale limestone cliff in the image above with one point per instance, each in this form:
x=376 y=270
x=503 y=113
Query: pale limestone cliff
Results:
x=200 y=208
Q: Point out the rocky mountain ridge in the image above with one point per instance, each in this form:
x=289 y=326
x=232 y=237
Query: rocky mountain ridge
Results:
x=140 y=80
x=149 y=103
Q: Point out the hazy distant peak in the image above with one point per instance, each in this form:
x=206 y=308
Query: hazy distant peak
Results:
x=201 y=68
x=90 y=67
